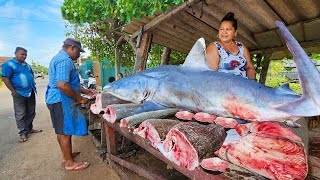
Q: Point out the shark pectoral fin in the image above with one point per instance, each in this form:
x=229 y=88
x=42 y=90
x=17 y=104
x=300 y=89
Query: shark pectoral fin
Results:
x=285 y=88
x=302 y=107
x=149 y=106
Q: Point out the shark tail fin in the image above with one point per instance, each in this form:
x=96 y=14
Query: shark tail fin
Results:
x=309 y=75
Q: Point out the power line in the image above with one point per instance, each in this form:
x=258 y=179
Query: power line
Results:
x=34 y=20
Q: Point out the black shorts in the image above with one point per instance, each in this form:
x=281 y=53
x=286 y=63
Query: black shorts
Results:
x=57 y=118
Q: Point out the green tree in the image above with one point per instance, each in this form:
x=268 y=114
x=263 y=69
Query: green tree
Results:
x=276 y=77
x=99 y=22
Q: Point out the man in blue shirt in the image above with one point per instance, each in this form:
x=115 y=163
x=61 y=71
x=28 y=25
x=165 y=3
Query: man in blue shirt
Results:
x=63 y=99
x=18 y=77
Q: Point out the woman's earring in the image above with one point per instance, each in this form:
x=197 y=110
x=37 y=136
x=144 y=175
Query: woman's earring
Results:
x=217 y=35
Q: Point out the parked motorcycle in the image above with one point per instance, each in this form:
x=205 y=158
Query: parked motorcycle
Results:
x=89 y=83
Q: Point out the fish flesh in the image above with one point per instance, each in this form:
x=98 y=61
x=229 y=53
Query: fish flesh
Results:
x=116 y=112
x=96 y=108
x=187 y=143
x=155 y=130
x=195 y=87
x=269 y=149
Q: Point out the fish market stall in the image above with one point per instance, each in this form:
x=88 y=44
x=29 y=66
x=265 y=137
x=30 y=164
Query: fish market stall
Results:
x=201 y=136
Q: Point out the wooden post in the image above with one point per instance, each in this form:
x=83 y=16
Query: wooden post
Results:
x=142 y=52
x=165 y=59
x=111 y=140
x=117 y=60
x=265 y=67
x=258 y=62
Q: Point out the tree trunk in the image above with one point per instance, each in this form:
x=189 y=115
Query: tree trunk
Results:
x=117 y=60
x=264 y=71
x=258 y=62
x=165 y=59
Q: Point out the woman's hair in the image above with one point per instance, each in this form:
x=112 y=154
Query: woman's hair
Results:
x=230 y=17
x=111 y=79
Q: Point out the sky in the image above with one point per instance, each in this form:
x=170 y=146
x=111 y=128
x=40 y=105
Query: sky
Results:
x=36 y=25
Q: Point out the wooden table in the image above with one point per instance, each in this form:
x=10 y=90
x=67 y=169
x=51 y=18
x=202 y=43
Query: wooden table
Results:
x=110 y=130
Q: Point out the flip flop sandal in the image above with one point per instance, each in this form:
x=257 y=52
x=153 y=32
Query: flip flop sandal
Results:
x=74 y=154
x=80 y=166
x=23 y=138
x=35 y=131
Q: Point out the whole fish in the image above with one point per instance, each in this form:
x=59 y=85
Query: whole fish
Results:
x=196 y=87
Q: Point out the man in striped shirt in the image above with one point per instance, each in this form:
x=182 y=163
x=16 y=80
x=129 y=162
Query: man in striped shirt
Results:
x=63 y=99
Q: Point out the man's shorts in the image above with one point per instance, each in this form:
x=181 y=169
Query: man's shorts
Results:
x=57 y=118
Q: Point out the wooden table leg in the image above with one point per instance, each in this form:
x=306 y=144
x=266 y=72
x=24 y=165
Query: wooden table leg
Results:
x=110 y=139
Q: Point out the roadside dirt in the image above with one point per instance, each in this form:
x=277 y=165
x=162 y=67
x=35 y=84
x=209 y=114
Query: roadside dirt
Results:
x=40 y=156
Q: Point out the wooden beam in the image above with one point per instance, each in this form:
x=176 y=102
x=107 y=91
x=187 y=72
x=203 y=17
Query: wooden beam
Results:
x=175 y=41
x=139 y=170
x=211 y=18
x=284 y=48
x=166 y=15
x=167 y=42
x=142 y=52
x=187 y=39
x=139 y=37
x=165 y=59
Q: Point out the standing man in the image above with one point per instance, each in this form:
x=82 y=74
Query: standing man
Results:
x=18 y=77
x=63 y=99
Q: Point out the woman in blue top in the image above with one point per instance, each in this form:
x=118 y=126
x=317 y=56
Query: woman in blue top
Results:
x=226 y=54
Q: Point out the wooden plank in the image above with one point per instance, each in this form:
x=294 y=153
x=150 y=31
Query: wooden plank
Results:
x=268 y=39
x=94 y=126
x=284 y=48
x=198 y=173
x=185 y=38
x=142 y=52
x=165 y=15
x=191 y=29
x=285 y=10
x=176 y=41
x=197 y=26
x=139 y=170
x=167 y=42
x=94 y=139
x=296 y=30
x=221 y=8
x=314 y=166
x=210 y=17
x=311 y=29
x=260 y=11
x=165 y=58
x=180 y=32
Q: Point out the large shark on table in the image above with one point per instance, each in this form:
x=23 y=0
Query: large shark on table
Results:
x=196 y=87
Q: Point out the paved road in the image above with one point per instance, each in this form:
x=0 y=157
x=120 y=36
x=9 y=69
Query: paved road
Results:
x=40 y=156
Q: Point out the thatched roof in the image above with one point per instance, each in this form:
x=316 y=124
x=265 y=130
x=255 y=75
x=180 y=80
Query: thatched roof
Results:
x=180 y=26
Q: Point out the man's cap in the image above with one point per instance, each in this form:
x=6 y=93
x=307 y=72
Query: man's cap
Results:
x=73 y=42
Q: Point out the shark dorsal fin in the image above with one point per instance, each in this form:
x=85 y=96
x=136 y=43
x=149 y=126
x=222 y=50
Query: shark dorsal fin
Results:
x=197 y=56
